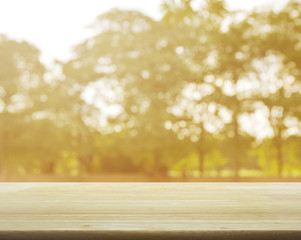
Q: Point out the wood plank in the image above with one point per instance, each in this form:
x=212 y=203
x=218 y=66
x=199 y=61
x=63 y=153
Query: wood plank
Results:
x=150 y=209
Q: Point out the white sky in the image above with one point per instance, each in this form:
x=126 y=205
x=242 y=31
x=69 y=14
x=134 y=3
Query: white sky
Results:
x=54 y=26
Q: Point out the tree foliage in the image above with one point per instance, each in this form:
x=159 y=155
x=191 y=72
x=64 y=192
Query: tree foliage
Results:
x=201 y=91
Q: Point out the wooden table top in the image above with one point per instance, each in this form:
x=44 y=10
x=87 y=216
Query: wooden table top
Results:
x=142 y=208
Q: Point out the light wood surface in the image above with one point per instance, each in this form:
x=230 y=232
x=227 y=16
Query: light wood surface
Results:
x=147 y=207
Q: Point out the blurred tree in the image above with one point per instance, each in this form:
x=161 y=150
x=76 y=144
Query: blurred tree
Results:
x=231 y=68
x=144 y=95
x=136 y=54
x=74 y=116
x=21 y=73
x=199 y=27
x=277 y=60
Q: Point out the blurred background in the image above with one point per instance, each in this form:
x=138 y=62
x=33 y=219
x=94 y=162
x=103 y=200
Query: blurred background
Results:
x=170 y=90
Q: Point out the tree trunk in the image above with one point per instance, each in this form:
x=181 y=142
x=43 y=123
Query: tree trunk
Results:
x=236 y=167
x=201 y=162
x=156 y=164
x=49 y=167
x=201 y=150
x=4 y=155
x=278 y=145
x=236 y=153
x=159 y=169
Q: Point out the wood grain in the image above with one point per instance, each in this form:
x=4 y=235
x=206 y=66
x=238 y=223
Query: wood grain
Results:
x=182 y=209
